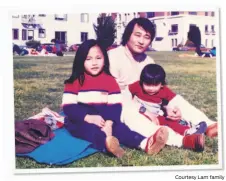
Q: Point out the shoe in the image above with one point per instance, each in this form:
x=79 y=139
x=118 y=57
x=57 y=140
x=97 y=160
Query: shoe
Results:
x=211 y=130
x=201 y=128
x=195 y=142
x=197 y=129
x=113 y=146
x=157 y=141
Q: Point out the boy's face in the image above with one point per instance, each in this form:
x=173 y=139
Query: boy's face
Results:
x=94 y=62
x=152 y=89
x=139 y=40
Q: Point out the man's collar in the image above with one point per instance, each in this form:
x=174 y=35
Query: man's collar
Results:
x=138 y=57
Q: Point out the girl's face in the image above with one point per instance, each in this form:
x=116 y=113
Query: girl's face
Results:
x=152 y=89
x=94 y=62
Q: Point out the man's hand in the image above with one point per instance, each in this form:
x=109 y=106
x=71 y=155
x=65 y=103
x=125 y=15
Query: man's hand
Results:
x=173 y=113
x=95 y=119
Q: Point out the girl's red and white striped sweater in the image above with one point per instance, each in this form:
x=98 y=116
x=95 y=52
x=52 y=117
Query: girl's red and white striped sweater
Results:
x=99 y=95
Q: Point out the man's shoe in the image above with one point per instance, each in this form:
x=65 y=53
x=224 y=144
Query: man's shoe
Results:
x=157 y=141
x=211 y=130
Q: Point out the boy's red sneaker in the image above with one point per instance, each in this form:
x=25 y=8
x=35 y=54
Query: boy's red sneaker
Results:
x=195 y=142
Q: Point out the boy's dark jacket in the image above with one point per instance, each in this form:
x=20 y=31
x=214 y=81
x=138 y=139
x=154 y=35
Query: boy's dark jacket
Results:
x=29 y=134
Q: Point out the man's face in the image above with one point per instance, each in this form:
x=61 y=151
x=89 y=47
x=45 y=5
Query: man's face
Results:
x=139 y=40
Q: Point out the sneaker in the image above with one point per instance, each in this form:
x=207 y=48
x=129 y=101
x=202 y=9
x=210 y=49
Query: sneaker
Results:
x=113 y=146
x=157 y=141
x=211 y=130
x=195 y=142
x=197 y=129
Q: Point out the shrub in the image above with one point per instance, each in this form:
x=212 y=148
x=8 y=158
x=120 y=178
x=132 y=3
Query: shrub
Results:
x=33 y=44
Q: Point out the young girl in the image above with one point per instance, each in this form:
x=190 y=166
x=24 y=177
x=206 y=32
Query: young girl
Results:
x=92 y=105
x=150 y=92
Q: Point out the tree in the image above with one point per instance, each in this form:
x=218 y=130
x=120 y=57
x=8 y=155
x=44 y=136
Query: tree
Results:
x=105 y=30
x=194 y=35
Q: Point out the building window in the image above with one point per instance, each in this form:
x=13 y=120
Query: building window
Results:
x=30 y=35
x=212 y=29
x=206 y=28
x=150 y=14
x=134 y=15
x=41 y=33
x=15 y=34
x=119 y=17
x=84 y=36
x=192 y=13
x=24 y=34
x=15 y=16
x=61 y=36
x=174 y=28
x=158 y=38
x=212 y=13
x=206 y=43
x=61 y=17
x=206 y=13
x=173 y=13
x=172 y=42
x=125 y=17
x=42 y=15
x=84 y=17
x=175 y=42
x=156 y=33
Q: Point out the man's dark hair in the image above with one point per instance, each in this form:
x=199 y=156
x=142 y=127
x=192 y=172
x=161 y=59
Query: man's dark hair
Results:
x=145 y=23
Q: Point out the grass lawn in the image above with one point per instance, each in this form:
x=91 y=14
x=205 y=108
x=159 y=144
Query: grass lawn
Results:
x=38 y=82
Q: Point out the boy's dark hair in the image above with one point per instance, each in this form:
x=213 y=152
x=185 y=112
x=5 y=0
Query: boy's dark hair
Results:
x=78 y=68
x=145 y=23
x=152 y=74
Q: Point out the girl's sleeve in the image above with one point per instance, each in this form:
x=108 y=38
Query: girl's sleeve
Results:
x=72 y=109
x=113 y=109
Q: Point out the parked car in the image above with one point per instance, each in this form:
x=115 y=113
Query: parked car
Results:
x=151 y=49
x=190 y=47
x=22 y=46
x=51 y=48
x=73 y=48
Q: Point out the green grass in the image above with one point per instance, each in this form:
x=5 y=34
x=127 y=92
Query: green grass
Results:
x=38 y=82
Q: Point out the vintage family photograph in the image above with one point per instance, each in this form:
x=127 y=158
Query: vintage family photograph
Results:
x=116 y=89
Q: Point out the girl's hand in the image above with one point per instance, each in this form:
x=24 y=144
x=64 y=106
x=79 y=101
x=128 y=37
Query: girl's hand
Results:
x=95 y=119
x=173 y=113
x=108 y=127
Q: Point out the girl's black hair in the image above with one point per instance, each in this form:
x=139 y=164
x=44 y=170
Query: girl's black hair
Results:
x=145 y=23
x=152 y=74
x=78 y=68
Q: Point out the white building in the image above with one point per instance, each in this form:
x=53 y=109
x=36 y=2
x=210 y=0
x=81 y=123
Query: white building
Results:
x=172 y=27
x=173 y=30
x=70 y=28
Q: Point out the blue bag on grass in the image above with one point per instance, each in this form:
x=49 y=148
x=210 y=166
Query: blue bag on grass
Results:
x=62 y=149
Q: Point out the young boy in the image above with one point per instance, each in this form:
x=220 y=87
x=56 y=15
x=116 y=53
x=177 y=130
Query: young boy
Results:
x=150 y=92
